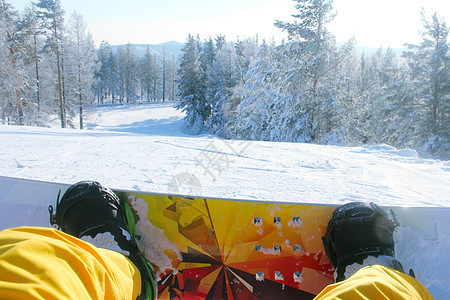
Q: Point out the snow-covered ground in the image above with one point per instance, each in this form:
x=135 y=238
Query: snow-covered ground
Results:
x=144 y=148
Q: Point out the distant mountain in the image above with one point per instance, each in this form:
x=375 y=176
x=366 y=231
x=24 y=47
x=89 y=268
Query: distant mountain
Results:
x=172 y=48
x=372 y=50
x=369 y=50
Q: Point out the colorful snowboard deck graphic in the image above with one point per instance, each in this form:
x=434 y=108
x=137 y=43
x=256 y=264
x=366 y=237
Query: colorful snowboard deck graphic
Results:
x=241 y=249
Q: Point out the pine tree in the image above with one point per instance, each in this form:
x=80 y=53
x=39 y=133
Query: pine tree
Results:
x=223 y=75
x=164 y=69
x=246 y=51
x=302 y=90
x=208 y=54
x=128 y=61
x=173 y=71
x=429 y=65
x=113 y=75
x=107 y=75
x=103 y=58
x=148 y=74
x=251 y=113
x=308 y=62
x=191 y=87
x=385 y=94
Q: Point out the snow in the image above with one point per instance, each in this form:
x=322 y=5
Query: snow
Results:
x=154 y=252
x=144 y=148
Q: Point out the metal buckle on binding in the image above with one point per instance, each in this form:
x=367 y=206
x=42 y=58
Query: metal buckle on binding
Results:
x=394 y=219
x=51 y=211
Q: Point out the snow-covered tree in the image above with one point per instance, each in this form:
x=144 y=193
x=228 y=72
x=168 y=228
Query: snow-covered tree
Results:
x=9 y=101
x=429 y=65
x=81 y=64
x=310 y=58
x=173 y=67
x=309 y=32
x=191 y=86
x=148 y=74
x=52 y=17
x=16 y=54
x=301 y=90
x=208 y=54
x=251 y=107
x=381 y=95
x=102 y=88
x=246 y=51
x=223 y=75
x=128 y=61
x=31 y=22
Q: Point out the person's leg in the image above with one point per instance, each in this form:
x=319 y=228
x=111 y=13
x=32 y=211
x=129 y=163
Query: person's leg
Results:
x=95 y=214
x=376 y=282
x=360 y=245
x=44 y=263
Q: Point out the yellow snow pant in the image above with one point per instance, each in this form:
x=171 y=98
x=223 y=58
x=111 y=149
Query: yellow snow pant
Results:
x=44 y=263
x=376 y=282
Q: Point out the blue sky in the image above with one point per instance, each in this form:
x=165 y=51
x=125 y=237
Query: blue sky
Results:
x=380 y=23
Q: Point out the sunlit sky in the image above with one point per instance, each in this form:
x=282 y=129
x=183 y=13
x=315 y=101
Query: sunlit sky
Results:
x=380 y=23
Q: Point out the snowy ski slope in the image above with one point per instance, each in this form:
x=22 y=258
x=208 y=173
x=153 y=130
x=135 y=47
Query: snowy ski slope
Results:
x=144 y=148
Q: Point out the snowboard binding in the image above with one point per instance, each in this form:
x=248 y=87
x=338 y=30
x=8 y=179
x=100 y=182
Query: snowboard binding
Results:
x=356 y=232
x=94 y=213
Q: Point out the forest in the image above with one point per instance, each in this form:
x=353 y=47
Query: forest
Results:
x=308 y=88
x=51 y=67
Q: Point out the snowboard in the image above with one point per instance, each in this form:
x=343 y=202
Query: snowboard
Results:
x=209 y=248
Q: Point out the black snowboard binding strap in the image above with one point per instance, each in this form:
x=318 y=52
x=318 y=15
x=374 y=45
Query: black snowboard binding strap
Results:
x=358 y=230
x=88 y=210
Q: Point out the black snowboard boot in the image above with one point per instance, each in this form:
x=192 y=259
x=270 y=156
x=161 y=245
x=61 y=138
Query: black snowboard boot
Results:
x=95 y=214
x=360 y=235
